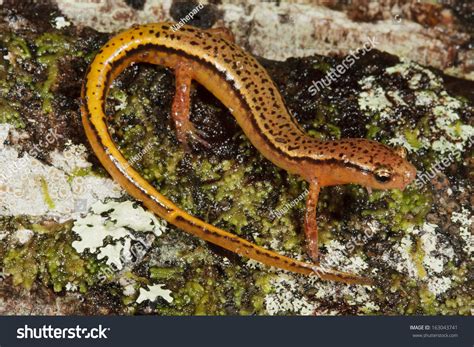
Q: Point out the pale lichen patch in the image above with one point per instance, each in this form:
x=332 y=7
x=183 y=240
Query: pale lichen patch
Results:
x=285 y=299
x=3 y=234
x=23 y=235
x=61 y=22
x=112 y=222
x=400 y=257
x=465 y=219
x=33 y=188
x=424 y=260
x=154 y=292
x=71 y=287
x=414 y=73
x=71 y=159
x=425 y=98
x=113 y=254
x=449 y=136
x=439 y=285
x=373 y=98
x=127 y=214
x=338 y=258
x=401 y=140
x=436 y=253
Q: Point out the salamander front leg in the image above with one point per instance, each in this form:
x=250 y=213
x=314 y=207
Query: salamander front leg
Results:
x=180 y=110
x=310 y=223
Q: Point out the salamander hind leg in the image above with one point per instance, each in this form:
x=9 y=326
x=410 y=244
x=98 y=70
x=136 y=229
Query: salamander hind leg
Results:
x=310 y=223
x=180 y=109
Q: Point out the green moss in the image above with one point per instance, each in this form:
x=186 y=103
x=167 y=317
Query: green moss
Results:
x=247 y=198
x=412 y=138
x=263 y=282
x=50 y=258
x=418 y=255
x=9 y=115
x=52 y=74
x=51 y=47
x=334 y=131
x=402 y=210
x=164 y=273
x=322 y=66
x=52 y=43
x=46 y=196
x=373 y=131
x=427 y=301
x=197 y=293
x=79 y=172
x=461 y=303
x=22 y=266
x=18 y=46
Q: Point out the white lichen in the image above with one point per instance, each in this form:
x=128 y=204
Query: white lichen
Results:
x=74 y=157
x=285 y=300
x=23 y=235
x=3 y=234
x=93 y=230
x=128 y=214
x=439 y=285
x=61 y=22
x=154 y=292
x=465 y=219
x=400 y=140
x=337 y=258
x=436 y=253
x=414 y=73
x=71 y=287
x=400 y=258
x=112 y=222
x=448 y=136
x=370 y=307
x=32 y=188
x=373 y=98
x=425 y=98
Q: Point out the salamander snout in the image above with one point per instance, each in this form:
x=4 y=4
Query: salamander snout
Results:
x=392 y=171
x=408 y=174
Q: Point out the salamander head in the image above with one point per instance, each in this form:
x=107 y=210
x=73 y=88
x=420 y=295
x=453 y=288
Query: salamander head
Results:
x=382 y=167
x=368 y=163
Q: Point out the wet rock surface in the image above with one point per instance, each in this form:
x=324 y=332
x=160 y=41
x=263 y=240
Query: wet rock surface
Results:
x=415 y=243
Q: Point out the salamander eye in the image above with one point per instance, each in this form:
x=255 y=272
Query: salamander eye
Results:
x=383 y=174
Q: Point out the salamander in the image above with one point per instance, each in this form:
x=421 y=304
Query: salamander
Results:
x=235 y=77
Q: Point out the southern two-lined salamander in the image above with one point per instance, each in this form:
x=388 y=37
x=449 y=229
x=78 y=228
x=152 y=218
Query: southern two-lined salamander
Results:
x=243 y=85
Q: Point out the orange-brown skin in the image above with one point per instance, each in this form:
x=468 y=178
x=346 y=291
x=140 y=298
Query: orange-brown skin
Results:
x=242 y=85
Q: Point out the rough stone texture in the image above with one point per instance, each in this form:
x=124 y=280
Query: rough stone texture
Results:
x=416 y=244
x=429 y=34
